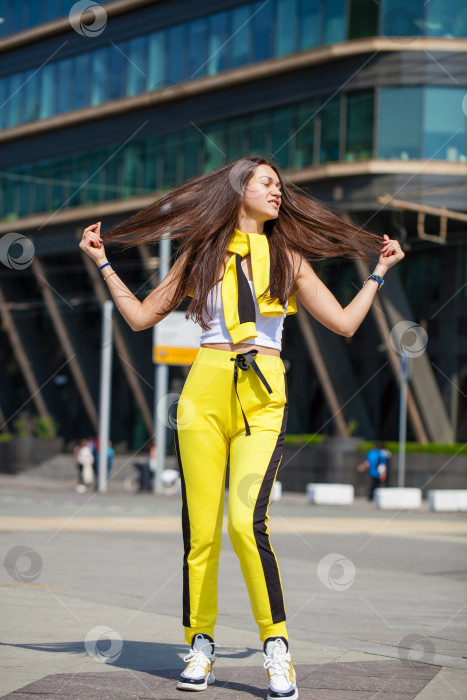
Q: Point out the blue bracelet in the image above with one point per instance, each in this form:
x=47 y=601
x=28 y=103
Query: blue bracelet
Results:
x=107 y=263
x=377 y=278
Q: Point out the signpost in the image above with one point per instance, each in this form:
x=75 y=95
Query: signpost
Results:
x=404 y=375
x=105 y=392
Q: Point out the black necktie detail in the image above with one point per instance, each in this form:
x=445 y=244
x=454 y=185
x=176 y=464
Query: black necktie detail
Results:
x=246 y=305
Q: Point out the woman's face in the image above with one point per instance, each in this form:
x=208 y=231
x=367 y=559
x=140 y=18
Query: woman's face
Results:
x=262 y=198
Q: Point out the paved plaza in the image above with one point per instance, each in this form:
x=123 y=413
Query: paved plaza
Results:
x=92 y=591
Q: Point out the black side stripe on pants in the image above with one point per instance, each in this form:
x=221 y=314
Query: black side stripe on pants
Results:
x=268 y=560
x=186 y=538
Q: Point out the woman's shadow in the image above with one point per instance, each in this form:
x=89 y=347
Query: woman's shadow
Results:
x=141 y=660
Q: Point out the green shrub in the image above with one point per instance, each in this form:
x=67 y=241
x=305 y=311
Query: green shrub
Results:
x=435 y=448
x=22 y=428
x=46 y=427
x=308 y=438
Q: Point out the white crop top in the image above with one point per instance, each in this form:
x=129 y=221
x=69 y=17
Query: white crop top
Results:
x=269 y=328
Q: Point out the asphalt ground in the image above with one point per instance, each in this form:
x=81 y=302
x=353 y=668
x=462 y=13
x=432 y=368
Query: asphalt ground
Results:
x=91 y=591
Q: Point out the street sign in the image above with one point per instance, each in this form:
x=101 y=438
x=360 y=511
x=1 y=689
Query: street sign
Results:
x=177 y=340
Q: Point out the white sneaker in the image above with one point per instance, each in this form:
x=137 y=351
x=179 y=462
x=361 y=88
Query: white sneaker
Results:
x=281 y=673
x=198 y=674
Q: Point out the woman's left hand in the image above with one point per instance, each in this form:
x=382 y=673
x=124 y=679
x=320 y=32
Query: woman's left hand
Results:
x=392 y=252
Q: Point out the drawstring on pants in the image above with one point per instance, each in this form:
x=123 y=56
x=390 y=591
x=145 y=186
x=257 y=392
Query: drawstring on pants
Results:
x=245 y=361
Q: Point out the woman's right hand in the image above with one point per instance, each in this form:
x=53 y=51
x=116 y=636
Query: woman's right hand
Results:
x=91 y=243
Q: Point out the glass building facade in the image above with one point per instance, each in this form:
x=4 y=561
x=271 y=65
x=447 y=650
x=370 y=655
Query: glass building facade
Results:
x=252 y=32
x=424 y=122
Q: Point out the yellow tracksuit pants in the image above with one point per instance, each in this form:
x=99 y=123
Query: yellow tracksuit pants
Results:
x=233 y=405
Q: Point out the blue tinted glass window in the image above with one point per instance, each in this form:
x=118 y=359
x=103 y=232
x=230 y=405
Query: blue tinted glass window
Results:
x=175 y=54
x=334 y=21
x=259 y=134
x=132 y=172
x=172 y=146
x=4 y=14
x=359 y=129
x=118 y=72
x=192 y=153
x=218 y=43
x=240 y=43
x=99 y=75
x=330 y=130
x=65 y=86
x=31 y=96
x=19 y=9
x=214 y=147
x=262 y=25
x=25 y=198
x=14 y=100
x=310 y=20
x=282 y=135
x=50 y=10
x=48 y=87
x=33 y=13
x=81 y=68
x=236 y=138
x=41 y=193
x=363 y=19
x=285 y=27
x=402 y=19
x=156 y=61
x=197 y=46
x=446 y=18
x=149 y=165
x=3 y=97
x=444 y=124
x=400 y=118
x=113 y=175
x=135 y=65
x=304 y=137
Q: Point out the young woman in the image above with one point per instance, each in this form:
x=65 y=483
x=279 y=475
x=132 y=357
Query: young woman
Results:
x=245 y=237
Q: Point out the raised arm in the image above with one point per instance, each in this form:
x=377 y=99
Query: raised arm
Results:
x=139 y=315
x=319 y=301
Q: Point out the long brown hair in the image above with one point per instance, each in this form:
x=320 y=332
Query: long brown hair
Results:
x=202 y=214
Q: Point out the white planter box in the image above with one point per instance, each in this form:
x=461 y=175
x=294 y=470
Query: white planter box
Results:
x=398 y=497
x=330 y=494
x=448 y=499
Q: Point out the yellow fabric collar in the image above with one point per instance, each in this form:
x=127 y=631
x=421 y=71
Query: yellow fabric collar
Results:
x=238 y=311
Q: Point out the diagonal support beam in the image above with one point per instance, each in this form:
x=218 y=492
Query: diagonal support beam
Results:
x=382 y=324
x=321 y=370
x=120 y=344
x=22 y=359
x=65 y=342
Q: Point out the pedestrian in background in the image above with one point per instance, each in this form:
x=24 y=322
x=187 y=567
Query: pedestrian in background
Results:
x=376 y=462
x=85 y=461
